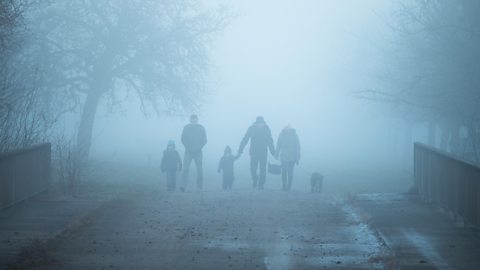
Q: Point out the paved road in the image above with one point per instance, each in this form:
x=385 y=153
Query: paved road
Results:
x=242 y=229
x=40 y=219
x=421 y=237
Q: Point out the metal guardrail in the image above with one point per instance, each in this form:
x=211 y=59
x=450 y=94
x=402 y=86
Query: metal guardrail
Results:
x=448 y=182
x=24 y=173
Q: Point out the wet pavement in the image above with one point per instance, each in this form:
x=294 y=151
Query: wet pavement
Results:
x=419 y=235
x=146 y=228
x=241 y=229
x=40 y=219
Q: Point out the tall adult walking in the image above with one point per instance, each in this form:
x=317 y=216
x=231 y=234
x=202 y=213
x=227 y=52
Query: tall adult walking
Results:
x=288 y=150
x=194 y=139
x=261 y=141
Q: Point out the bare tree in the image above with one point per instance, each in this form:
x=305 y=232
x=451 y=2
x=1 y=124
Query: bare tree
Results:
x=11 y=17
x=23 y=117
x=95 y=50
x=432 y=69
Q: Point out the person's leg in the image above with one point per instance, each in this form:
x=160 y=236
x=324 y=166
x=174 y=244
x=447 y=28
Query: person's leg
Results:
x=171 y=180
x=284 y=175
x=167 y=178
x=229 y=182
x=253 y=170
x=312 y=184
x=174 y=181
x=291 y=165
x=187 y=160
x=224 y=183
x=263 y=171
x=198 y=164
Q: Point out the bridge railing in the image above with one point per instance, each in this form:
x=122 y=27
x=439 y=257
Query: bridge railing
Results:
x=448 y=182
x=24 y=173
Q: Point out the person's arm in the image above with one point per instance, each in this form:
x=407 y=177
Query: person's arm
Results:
x=279 y=146
x=270 y=143
x=184 y=136
x=298 y=148
x=179 y=162
x=204 y=137
x=244 y=141
x=162 y=164
x=220 y=165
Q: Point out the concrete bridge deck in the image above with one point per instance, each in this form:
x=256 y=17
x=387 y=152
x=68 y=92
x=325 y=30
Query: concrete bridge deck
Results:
x=242 y=229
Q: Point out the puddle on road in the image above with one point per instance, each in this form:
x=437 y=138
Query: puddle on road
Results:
x=279 y=257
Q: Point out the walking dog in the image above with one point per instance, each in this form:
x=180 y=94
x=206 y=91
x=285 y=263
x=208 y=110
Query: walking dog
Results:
x=316 y=182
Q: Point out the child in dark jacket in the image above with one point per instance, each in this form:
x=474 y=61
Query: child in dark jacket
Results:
x=171 y=163
x=226 y=166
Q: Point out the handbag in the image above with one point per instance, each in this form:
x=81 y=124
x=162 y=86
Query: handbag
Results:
x=274 y=168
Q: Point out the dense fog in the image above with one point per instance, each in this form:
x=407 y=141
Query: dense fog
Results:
x=360 y=81
x=239 y=134
x=292 y=62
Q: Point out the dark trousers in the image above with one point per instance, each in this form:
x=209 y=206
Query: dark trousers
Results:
x=255 y=163
x=287 y=174
x=187 y=160
x=227 y=182
x=171 y=180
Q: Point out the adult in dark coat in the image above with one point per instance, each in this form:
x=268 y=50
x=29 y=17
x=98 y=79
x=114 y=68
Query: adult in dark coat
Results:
x=194 y=139
x=288 y=150
x=261 y=141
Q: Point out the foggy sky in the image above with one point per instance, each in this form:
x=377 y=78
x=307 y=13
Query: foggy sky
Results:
x=291 y=61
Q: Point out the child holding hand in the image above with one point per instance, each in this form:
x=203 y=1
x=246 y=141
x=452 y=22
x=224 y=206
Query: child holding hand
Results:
x=226 y=166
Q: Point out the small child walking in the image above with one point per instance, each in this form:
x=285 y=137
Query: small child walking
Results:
x=171 y=163
x=226 y=166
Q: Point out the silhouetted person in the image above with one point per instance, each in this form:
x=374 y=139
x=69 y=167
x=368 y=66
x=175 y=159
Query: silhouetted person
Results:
x=261 y=141
x=194 y=139
x=226 y=166
x=288 y=149
x=171 y=163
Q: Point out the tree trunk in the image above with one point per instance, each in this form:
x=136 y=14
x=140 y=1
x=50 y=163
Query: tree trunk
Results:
x=85 y=130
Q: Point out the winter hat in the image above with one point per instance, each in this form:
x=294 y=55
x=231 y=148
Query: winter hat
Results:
x=171 y=143
x=260 y=119
x=228 y=149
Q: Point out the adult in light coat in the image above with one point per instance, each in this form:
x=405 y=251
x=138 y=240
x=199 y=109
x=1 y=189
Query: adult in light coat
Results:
x=288 y=151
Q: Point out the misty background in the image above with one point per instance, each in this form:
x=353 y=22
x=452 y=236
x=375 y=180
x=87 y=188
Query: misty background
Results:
x=329 y=68
x=291 y=62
